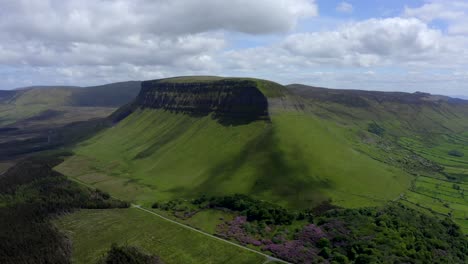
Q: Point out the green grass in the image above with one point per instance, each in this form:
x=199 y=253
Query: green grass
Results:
x=162 y=155
x=297 y=160
x=185 y=79
x=268 y=88
x=415 y=136
x=349 y=177
x=206 y=220
x=441 y=197
x=93 y=231
x=31 y=102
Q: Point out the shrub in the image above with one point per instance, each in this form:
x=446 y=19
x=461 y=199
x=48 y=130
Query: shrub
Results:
x=323 y=243
x=456 y=153
x=255 y=210
x=374 y=128
x=128 y=255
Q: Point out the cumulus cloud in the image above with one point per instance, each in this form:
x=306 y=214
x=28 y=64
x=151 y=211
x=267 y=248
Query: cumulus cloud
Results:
x=370 y=42
x=345 y=7
x=455 y=13
x=163 y=33
x=371 y=54
x=86 y=42
x=373 y=42
x=93 y=20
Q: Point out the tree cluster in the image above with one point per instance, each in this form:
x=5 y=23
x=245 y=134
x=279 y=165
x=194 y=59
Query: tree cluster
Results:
x=255 y=210
x=128 y=255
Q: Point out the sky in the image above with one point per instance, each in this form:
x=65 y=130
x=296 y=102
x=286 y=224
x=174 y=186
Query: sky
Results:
x=414 y=45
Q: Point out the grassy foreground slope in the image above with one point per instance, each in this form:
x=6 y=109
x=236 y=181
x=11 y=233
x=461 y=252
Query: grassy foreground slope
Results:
x=93 y=232
x=295 y=159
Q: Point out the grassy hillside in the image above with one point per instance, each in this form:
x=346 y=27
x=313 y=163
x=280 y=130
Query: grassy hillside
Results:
x=423 y=134
x=173 y=146
x=295 y=159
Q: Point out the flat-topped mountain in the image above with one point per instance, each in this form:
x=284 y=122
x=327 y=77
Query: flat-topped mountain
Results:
x=294 y=145
x=238 y=100
x=224 y=98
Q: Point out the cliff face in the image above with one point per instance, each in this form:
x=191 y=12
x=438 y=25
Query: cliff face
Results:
x=228 y=99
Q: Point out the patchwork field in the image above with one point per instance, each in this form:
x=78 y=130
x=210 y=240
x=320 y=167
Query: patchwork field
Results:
x=444 y=198
x=445 y=194
x=93 y=232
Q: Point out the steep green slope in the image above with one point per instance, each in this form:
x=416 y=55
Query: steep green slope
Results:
x=168 y=148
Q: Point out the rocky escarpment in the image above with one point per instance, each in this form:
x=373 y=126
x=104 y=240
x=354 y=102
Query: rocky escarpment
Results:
x=227 y=99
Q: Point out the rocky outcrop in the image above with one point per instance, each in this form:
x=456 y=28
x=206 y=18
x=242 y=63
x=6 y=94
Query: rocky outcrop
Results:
x=227 y=99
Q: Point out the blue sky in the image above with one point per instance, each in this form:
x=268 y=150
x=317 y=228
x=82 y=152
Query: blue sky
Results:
x=378 y=45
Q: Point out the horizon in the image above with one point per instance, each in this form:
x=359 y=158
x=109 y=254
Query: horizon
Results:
x=45 y=86
x=405 y=46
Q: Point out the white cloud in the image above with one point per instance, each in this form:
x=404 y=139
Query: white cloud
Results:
x=373 y=42
x=345 y=7
x=454 y=12
x=371 y=54
x=72 y=40
x=140 y=32
x=86 y=42
x=88 y=20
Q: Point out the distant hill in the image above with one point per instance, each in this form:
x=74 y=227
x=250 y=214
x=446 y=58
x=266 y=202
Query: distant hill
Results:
x=108 y=95
x=25 y=103
x=401 y=113
x=43 y=117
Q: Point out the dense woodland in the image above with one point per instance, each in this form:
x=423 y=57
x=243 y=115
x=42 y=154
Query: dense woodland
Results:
x=31 y=193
